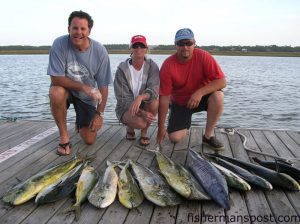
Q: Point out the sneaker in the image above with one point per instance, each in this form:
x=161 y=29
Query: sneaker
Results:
x=213 y=143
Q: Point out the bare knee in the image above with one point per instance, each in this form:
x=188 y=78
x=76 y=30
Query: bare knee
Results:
x=154 y=107
x=88 y=136
x=140 y=124
x=58 y=94
x=216 y=97
x=135 y=122
x=177 y=136
x=89 y=141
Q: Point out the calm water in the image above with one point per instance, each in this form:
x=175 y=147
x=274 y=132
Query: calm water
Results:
x=262 y=92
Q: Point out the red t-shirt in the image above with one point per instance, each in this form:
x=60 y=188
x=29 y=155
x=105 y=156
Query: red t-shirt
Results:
x=181 y=80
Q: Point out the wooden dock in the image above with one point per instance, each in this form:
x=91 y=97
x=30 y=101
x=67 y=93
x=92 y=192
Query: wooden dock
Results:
x=28 y=147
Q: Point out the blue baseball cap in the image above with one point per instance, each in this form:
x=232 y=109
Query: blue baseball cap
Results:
x=183 y=34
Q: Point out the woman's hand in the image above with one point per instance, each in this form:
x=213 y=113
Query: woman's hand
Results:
x=135 y=106
x=149 y=117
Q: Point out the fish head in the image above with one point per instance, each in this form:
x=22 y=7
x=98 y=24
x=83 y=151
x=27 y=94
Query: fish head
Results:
x=12 y=195
x=18 y=194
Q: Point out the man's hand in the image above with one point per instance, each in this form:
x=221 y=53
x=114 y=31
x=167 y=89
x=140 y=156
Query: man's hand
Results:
x=194 y=100
x=161 y=133
x=96 y=123
x=96 y=95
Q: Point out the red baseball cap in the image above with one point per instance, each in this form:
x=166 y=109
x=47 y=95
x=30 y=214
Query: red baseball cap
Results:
x=138 y=39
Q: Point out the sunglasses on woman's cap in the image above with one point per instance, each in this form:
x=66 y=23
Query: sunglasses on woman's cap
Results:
x=138 y=45
x=182 y=43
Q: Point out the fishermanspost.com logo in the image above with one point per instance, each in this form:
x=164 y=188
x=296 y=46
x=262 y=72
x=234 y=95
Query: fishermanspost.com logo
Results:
x=270 y=218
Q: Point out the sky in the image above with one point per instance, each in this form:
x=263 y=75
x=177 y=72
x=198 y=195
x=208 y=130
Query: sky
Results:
x=214 y=22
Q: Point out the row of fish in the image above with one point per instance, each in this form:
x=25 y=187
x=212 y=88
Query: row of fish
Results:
x=206 y=178
x=264 y=177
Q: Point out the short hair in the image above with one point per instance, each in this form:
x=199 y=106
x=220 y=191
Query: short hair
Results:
x=82 y=15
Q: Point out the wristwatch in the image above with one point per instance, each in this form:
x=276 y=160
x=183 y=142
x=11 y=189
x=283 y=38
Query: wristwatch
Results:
x=100 y=113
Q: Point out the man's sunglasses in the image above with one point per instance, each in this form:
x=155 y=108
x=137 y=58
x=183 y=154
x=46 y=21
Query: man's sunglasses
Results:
x=184 y=43
x=135 y=46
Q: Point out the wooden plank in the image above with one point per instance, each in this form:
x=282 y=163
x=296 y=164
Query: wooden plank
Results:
x=188 y=210
x=281 y=149
x=68 y=218
x=7 y=142
x=167 y=214
x=111 y=145
x=117 y=213
x=46 y=161
x=145 y=211
x=29 y=160
x=255 y=199
x=289 y=142
x=278 y=147
x=43 y=163
x=9 y=128
x=210 y=208
x=277 y=199
x=33 y=151
x=6 y=124
x=22 y=134
x=237 y=199
x=57 y=213
x=16 y=214
x=295 y=136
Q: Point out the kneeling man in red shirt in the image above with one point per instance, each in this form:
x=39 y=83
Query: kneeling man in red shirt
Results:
x=190 y=81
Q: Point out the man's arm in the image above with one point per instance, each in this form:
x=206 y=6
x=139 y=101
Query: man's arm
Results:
x=97 y=121
x=162 y=114
x=68 y=83
x=104 y=93
x=211 y=87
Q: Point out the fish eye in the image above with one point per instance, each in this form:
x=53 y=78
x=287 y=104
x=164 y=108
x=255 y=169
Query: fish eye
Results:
x=149 y=181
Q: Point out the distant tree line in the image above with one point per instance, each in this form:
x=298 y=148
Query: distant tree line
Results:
x=257 y=48
x=23 y=47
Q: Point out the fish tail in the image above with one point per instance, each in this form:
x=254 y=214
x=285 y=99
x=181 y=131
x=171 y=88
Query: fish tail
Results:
x=76 y=208
x=255 y=159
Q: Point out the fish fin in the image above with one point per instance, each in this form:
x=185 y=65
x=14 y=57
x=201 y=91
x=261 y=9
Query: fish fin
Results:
x=156 y=148
x=284 y=161
x=120 y=166
x=209 y=155
x=19 y=180
x=277 y=166
x=77 y=153
x=195 y=147
x=108 y=163
x=86 y=158
x=138 y=211
x=126 y=162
